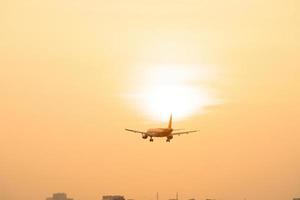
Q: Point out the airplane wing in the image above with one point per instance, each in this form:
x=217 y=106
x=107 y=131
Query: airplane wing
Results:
x=185 y=132
x=126 y=129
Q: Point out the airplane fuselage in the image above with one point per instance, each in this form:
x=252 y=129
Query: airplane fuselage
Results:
x=159 y=132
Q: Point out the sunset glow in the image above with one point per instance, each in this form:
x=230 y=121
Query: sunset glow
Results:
x=85 y=84
x=169 y=89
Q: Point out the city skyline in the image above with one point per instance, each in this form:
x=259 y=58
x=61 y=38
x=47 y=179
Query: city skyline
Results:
x=63 y=196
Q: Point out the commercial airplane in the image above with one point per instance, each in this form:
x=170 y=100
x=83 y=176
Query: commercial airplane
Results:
x=161 y=132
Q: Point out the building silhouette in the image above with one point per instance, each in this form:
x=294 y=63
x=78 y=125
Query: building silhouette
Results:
x=176 y=197
x=113 y=197
x=59 y=196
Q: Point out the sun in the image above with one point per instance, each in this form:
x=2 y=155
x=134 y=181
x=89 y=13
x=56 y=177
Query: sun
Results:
x=173 y=89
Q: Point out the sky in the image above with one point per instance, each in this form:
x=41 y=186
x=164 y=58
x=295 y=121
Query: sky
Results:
x=74 y=74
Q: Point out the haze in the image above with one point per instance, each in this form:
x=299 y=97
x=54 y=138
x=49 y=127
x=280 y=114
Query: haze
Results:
x=71 y=77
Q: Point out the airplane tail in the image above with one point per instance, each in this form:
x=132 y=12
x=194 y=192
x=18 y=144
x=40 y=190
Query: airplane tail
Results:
x=170 y=122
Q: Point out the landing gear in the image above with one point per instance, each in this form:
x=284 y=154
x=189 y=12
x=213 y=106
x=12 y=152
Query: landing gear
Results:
x=151 y=140
x=144 y=136
x=169 y=138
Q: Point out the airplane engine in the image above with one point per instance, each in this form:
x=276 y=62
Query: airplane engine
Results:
x=170 y=137
x=144 y=136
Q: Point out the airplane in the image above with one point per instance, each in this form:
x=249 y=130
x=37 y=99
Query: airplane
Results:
x=161 y=132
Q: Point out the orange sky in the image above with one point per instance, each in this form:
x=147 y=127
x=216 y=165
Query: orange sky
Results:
x=65 y=67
